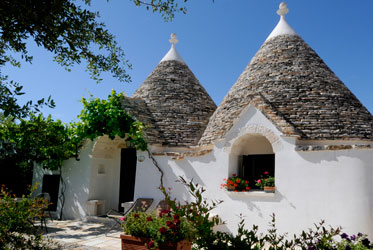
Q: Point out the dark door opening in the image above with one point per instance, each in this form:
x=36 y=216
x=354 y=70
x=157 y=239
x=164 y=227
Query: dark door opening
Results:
x=51 y=185
x=128 y=162
x=15 y=179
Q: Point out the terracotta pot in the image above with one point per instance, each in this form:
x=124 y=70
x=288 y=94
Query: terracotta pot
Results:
x=269 y=189
x=138 y=243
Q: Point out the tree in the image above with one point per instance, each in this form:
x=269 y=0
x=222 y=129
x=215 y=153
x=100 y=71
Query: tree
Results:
x=70 y=32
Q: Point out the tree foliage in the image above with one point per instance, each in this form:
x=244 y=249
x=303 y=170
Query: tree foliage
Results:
x=38 y=140
x=167 y=8
x=70 y=32
x=49 y=142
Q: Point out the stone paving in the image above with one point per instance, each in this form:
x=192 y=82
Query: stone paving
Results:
x=80 y=235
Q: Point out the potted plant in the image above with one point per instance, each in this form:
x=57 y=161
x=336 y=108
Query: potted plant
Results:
x=235 y=184
x=167 y=230
x=267 y=183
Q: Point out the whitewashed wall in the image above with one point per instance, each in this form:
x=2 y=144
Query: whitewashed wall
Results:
x=332 y=185
x=76 y=175
x=94 y=177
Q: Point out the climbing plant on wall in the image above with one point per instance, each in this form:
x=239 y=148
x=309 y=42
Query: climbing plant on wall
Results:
x=107 y=117
x=49 y=142
x=43 y=141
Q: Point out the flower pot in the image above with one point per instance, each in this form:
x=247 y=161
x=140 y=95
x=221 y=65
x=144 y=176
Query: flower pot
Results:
x=138 y=243
x=230 y=189
x=269 y=189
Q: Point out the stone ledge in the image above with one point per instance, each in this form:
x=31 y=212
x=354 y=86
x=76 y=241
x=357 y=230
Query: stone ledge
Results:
x=331 y=147
x=250 y=194
x=181 y=155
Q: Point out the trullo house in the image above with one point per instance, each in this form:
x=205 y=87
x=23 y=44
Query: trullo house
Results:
x=287 y=114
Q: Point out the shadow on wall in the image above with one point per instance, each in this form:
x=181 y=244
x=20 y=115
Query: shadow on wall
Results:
x=189 y=172
x=250 y=200
x=367 y=156
x=186 y=170
x=76 y=176
x=171 y=181
x=319 y=156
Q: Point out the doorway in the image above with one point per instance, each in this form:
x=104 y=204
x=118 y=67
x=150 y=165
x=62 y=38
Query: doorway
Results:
x=128 y=162
x=51 y=185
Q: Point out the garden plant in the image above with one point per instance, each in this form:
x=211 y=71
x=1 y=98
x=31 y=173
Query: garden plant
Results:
x=235 y=184
x=18 y=219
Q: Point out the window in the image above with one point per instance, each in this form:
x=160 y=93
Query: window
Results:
x=253 y=166
x=251 y=156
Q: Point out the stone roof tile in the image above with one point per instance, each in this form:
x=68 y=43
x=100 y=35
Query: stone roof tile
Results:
x=178 y=105
x=300 y=88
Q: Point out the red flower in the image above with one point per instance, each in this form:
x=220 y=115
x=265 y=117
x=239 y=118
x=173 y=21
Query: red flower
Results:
x=258 y=181
x=136 y=216
x=176 y=216
x=234 y=175
x=165 y=211
x=235 y=191
x=238 y=180
x=266 y=172
x=246 y=182
x=150 y=244
x=162 y=230
x=169 y=223
x=247 y=188
x=149 y=218
x=235 y=185
x=177 y=221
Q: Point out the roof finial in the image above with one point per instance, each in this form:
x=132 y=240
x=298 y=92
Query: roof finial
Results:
x=172 y=54
x=173 y=39
x=282 y=11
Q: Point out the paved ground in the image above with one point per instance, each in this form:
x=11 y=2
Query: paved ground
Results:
x=79 y=235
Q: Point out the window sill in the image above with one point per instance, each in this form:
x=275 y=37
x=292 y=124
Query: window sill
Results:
x=256 y=193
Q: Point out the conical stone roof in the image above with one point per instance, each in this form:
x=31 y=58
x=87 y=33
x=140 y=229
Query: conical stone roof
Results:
x=297 y=91
x=178 y=106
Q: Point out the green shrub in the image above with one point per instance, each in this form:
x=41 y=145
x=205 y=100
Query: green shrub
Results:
x=198 y=212
x=17 y=229
x=166 y=227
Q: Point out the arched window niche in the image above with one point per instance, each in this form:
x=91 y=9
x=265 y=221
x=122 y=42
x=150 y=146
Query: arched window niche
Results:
x=251 y=155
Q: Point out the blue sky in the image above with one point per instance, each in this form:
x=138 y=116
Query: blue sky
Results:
x=217 y=41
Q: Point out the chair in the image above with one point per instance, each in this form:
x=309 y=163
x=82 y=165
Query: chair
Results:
x=162 y=205
x=46 y=197
x=140 y=205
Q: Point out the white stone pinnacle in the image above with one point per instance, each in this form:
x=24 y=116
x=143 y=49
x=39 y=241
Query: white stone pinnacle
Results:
x=282 y=28
x=173 y=40
x=172 y=54
x=282 y=9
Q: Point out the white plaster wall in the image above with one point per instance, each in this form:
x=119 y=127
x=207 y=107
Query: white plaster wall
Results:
x=105 y=186
x=310 y=186
x=37 y=178
x=76 y=175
